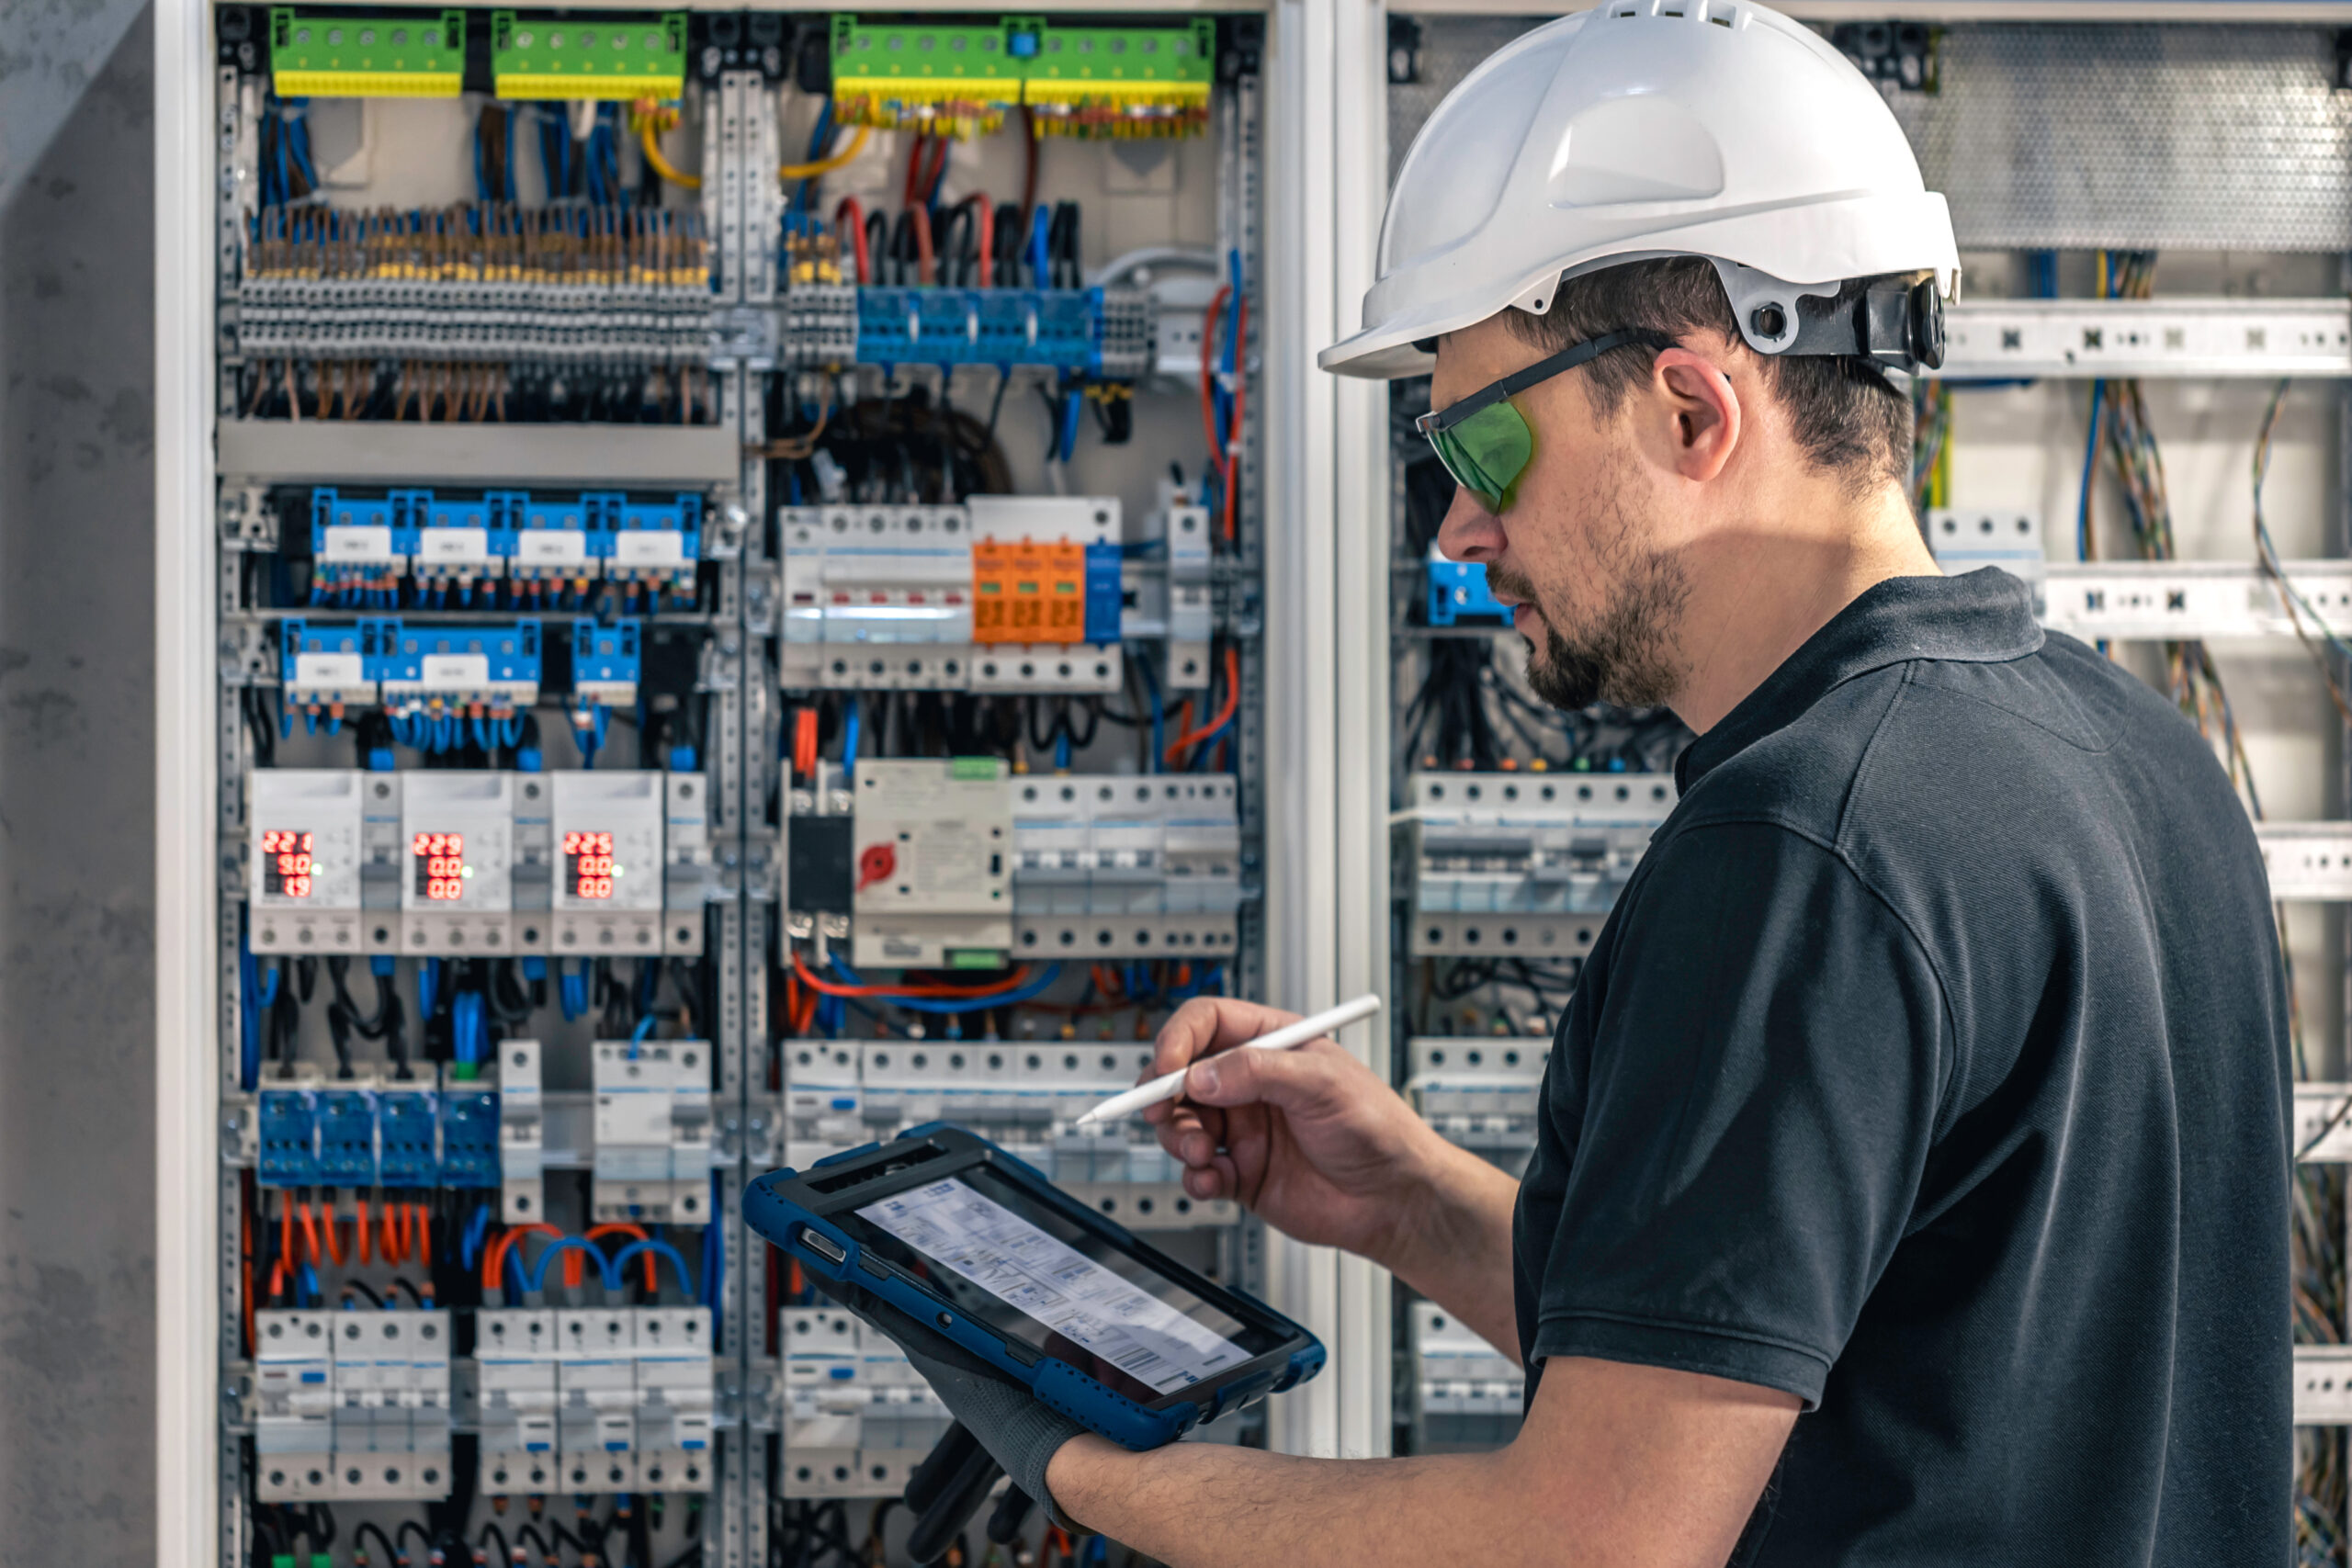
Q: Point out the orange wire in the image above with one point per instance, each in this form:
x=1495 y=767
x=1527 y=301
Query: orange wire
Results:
x=1018 y=978
x=1240 y=396
x=986 y=212
x=1232 y=700
x=310 y=1234
x=277 y=1277
x=392 y=1235
x=493 y=1266
x=638 y=1233
x=329 y=1223
x=367 y=1238
x=285 y=1226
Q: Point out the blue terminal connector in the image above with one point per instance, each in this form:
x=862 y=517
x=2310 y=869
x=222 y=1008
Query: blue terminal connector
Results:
x=1457 y=589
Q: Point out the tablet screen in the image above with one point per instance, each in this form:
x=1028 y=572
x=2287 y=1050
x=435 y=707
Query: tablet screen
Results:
x=1033 y=1274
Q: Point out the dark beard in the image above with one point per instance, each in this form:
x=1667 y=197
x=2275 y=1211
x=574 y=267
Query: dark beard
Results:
x=1625 y=660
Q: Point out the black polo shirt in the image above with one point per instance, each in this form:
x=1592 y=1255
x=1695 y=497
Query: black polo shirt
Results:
x=1933 y=1067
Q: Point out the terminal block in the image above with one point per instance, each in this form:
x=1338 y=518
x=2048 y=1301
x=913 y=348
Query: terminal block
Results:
x=595 y=1400
x=466 y=542
x=932 y=852
x=325 y=669
x=438 y=671
x=341 y=54
x=1126 y=867
x=351 y=1405
x=1525 y=864
x=653 y=1131
x=624 y=56
x=361 y=546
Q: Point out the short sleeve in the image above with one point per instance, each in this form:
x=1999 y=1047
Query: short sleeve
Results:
x=1753 y=1105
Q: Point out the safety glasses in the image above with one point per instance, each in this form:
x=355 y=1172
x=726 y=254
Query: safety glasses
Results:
x=1483 y=440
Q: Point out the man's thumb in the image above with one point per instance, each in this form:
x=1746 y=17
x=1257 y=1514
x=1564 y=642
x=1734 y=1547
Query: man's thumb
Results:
x=1287 y=1079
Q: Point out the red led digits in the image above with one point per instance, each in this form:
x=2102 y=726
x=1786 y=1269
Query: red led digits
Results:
x=286 y=865
x=440 y=866
x=588 y=857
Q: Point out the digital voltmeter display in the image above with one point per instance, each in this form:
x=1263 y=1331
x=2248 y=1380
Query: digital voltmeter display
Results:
x=440 y=861
x=588 y=862
x=288 y=863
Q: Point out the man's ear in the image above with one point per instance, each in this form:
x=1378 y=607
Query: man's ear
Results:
x=1698 y=398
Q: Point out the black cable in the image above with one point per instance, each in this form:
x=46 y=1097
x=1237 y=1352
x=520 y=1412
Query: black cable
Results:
x=408 y=1524
x=359 y=1542
x=322 y=1526
x=349 y=1286
x=506 y=994
x=401 y=1282
x=1081 y=739
x=529 y=1535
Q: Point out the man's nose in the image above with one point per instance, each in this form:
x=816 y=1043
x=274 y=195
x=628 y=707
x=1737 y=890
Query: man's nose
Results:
x=1470 y=532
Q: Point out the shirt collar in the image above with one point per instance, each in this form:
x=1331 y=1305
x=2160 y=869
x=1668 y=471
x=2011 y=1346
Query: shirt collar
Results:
x=1985 y=617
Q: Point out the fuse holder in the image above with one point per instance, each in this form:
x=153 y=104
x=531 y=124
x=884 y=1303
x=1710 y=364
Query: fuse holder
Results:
x=1028 y=593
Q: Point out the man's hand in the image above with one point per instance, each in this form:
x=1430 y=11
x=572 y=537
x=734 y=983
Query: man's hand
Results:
x=1312 y=1143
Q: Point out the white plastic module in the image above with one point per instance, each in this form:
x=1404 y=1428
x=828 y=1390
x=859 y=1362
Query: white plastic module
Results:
x=931 y=863
x=1483 y=1092
x=653 y=1131
x=1525 y=865
x=294 y=1402
x=1022 y=1094
x=2322 y=1385
x=514 y=1352
x=1126 y=866
x=1474 y=1391
x=856 y=1416
x=877 y=597
x=596 y=1406
x=607 y=863
x=457 y=835
x=522 y=1133
x=686 y=861
x=352 y=1405
x=2182 y=601
x=304 y=855
x=2307 y=861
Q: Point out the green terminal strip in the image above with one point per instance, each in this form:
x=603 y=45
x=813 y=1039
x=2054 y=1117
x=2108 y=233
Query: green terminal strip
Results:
x=335 y=54
x=624 y=56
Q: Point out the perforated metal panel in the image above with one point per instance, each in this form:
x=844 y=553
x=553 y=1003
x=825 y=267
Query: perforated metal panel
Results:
x=2069 y=136
x=2201 y=138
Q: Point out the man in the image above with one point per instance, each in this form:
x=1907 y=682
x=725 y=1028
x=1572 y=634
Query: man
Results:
x=1912 y=1181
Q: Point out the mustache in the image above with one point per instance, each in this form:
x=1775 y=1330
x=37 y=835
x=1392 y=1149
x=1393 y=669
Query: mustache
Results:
x=1515 y=584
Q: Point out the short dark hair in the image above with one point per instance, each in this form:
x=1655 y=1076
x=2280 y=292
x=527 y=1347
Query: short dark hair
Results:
x=1848 y=418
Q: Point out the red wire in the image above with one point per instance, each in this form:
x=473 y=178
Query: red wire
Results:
x=856 y=228
x=1232 y=700
x=367 y=1238
x=986 y=213
x=914 y=165
x=1019 y=978
x=1240 y=396
x=1208 y=383
x=921 y=216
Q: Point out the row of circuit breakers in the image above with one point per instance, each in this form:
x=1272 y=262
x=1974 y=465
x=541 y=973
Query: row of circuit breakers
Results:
x=478 y=863
x=960 y=862
x=353 y=1405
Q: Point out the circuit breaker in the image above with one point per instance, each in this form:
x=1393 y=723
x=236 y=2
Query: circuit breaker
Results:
x=458 y=841
x=653 y=1131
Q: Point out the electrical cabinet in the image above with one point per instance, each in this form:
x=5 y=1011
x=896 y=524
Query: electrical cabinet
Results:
x=698 y=552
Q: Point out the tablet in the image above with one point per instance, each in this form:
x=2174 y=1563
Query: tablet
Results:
x=1101 y=1325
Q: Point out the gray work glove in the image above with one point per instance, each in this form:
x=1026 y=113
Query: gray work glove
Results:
x=1019 y=1430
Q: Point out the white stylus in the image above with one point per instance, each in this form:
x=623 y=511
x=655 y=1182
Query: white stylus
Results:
x=1168 y=1085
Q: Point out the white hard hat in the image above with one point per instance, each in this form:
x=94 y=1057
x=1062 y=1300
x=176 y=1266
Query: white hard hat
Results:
x=1663 y=128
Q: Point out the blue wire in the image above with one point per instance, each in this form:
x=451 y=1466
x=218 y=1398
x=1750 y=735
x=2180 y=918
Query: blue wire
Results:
x=849 y=742
x=252 y=998
x=1041 y=270
x=2090 y=474
x=428 y=985
x=1159 y=714
x=924 y=1004
x=638 y=1035
x=714 y=1251
x=574 y=1244
x=621 y=1260
x=470 y=1247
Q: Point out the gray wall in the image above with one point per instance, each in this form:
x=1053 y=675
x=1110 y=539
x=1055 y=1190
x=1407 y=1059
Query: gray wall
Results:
x=76 y=790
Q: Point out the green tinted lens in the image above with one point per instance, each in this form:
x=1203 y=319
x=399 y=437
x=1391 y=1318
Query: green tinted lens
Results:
x=1487 y=453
